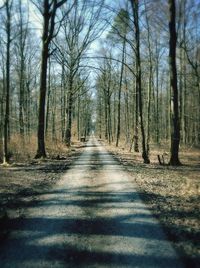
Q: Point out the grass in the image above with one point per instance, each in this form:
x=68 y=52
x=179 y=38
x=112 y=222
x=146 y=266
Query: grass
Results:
x=24 y=150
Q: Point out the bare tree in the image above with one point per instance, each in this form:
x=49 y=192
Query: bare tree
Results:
x=175 y=135
x=21 y=53
x=80 y=28
x=8 y=7
x=48 y=9
x=135 y=9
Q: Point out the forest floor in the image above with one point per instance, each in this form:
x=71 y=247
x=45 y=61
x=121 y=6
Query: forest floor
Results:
x=171 y=194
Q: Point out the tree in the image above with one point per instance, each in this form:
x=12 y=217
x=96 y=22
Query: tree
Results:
x=150 y=79
x=175 y=134
x=105 y=86
x=120 y=29
x=8 y=7
x=49 y=13
x=21 y=53
x=135 y=9
x=80 y=28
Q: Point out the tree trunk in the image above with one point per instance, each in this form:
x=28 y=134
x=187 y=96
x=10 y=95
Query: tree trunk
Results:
x=100 y=118
x=78 y=117
x=136 y=138
x=106 y=115
x=63 y=102
x=7 y=84
x=48 y=99
x=138 y=78
x=49 y=14
x=150 y=82
x=119 y=95
x=175 y=134
x=21 y=99
x=69 y=113
x=41 y=152
x=22 y=44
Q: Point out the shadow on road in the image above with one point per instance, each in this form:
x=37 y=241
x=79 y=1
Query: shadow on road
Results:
x=35 y=237
x=83 y=225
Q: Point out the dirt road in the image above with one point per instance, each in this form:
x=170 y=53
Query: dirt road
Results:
x=93 y=217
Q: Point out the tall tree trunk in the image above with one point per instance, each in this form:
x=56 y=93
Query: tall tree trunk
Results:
x=109 y=121
x=119 y=95
x=28 y=110
x=69 y=113
x=7 y=84
x=150 y=82
x=175 y=134
x=49 y=13
x=135 y=8
x=21 y=99
x=41 y=152
x=100 y=118
x=157 y=96
x=114 y=115
x=136 y=132
x=53 y=116
x=78 y=116
x=105 y=114
x=109 y=108
x=22 y=43
x=48 y=99
x=126 y=97
x=63 y=102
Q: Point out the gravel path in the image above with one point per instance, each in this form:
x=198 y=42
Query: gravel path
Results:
x=93 y=217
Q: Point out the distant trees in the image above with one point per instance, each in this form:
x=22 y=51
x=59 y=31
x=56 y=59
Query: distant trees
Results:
x=157 y=81
x=17 y=76
x=118 y=33
x=80 y=28
x=139 y=80
x=106 y=86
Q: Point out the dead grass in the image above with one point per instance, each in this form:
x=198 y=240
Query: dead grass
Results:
x=173 y=194
x=24 y=150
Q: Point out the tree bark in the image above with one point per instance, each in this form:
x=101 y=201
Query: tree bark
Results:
x=41 y=152
x=175 y=133
x=48 y=98
x=69 y=113
x=135 y=8
x=7 y=84
x=119 y=95
x=150 y=82
x=47 y=36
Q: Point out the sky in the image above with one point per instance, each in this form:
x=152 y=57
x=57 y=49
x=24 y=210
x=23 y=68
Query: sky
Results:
x=35 y=17
x=36 y=21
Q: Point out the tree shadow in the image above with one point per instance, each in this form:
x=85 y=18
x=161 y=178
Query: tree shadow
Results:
x=110 y=229
x=43 y=237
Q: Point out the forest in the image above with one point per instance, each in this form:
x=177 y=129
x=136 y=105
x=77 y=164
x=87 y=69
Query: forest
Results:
x=128 y=71
x=100 y=133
